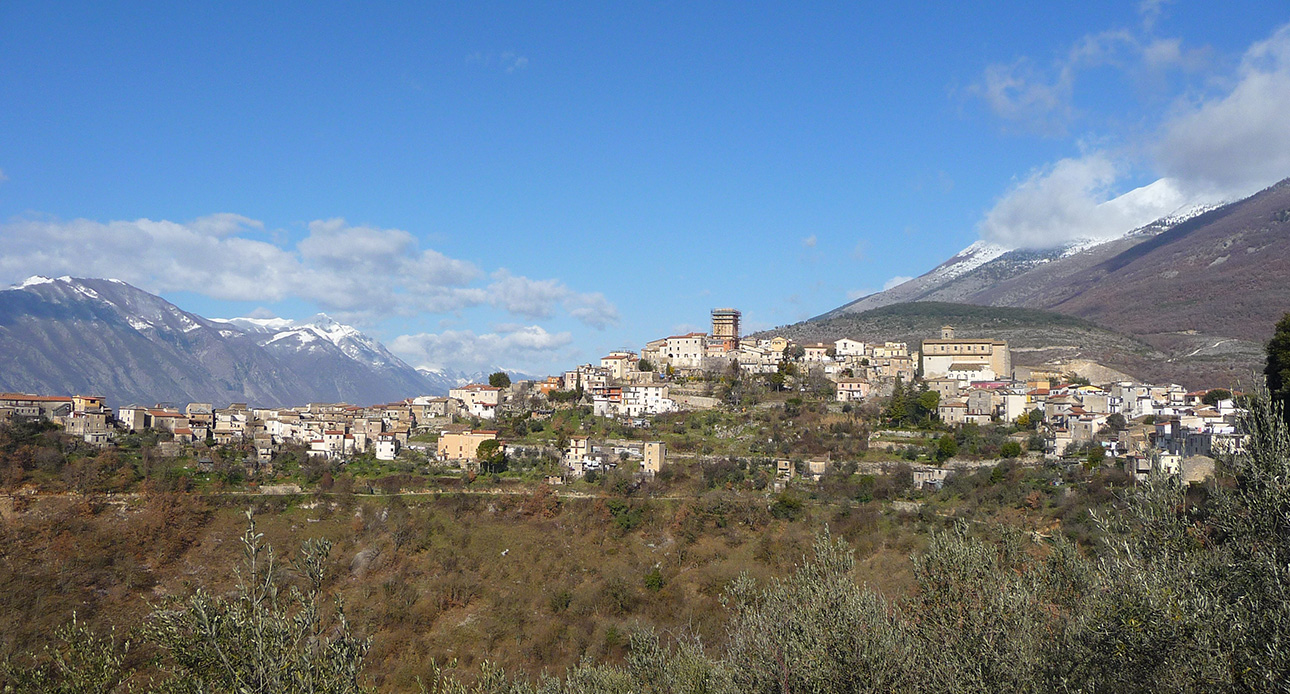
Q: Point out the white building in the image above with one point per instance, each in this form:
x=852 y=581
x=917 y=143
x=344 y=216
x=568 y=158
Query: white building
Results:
x=387 y=447
x=647 y=400
x=846 y=347
x=686 y=351
x=478 y=399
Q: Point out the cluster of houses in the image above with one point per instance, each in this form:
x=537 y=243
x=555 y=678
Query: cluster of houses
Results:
x=580 y=456
x=974 y=378
x=848 y=362
x=336 y=430
x=330 y=430
x=80 y=415
x=630 y=385
x=976 y=383
x=858 y=369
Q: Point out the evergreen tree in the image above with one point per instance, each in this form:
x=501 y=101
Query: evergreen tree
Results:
x=896 y=410
x=1278 y=366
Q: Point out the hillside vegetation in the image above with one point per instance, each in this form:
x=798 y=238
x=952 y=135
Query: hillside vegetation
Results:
x=1177 y=590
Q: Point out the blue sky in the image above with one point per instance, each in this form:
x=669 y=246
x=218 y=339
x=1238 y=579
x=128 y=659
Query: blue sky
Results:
x=532 y=185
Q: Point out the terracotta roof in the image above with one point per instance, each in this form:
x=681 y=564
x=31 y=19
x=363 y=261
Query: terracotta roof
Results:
x=35 y=398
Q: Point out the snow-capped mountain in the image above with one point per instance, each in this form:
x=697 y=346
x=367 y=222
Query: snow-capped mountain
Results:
x=1204 y=285
x=313 y=334
x=984 y=265
x=447 y=379
x=105 y=337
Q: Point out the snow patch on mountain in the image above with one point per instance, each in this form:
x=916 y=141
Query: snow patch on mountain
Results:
x=258 y=324
x=452 y=378
x=32 y=281
x=304 y=337
x=967 y=260
x=348 y=339
x=139 y=325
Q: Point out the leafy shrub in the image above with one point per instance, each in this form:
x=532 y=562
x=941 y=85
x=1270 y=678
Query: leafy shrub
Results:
x=654 y=580
x=626 y=516
x=788 y=507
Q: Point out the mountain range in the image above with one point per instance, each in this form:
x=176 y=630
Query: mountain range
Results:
x=105 y=337
x=1190 y=298
x=1204 y=288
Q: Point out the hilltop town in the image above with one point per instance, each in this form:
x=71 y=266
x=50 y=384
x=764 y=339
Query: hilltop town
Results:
x=915 y=406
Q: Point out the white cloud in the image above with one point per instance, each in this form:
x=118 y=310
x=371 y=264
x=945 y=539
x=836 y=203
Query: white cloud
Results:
x=1162 y=53
x=1219 y=148
x=592 y=309
x=1040 y=98
x=810 y=241
x=3 y=177
x=526 y=297
x=206 y=256
x=895 y=281
x=332 y=242
x=1018 y=93
x=223 y=224
x=516 y=346
x=1073 y=200
x=359 y=273
x=539 y=299
x=1239 y=141
x=1150 y=11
